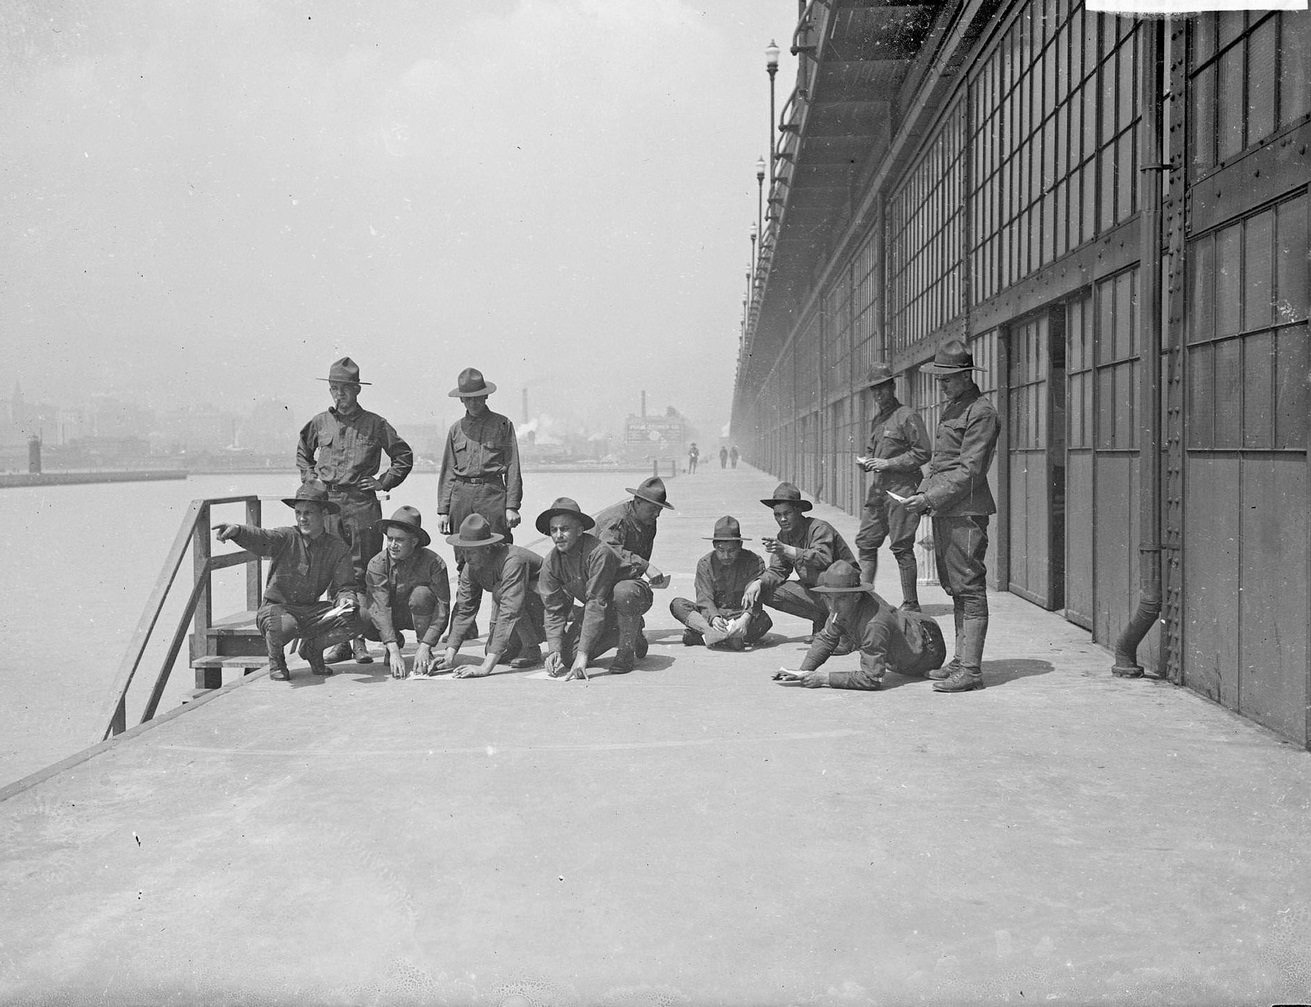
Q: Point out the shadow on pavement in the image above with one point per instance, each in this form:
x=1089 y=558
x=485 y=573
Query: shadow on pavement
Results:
x=1001 y=672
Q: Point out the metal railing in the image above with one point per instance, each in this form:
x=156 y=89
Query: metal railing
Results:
x=197 y=615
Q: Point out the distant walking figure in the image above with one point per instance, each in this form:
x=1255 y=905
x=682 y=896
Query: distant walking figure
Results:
x=733 y=455
x=723 y=457
x=692 y=455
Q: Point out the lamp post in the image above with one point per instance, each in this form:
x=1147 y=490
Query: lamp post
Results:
x=752 y=275
x=771 y=67
x=760 y=197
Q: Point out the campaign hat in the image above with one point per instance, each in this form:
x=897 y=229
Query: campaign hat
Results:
x=879 y=374
x=346 y=371
x=471 y=385
x=789 y=494
x=474 y=531
x=651 y=490
x=312 y=491
x=727 y=530
x=952 y=358
x=406 y=519
x=841 y=578
x=563 y=505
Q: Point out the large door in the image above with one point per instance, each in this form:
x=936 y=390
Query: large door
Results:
x=1036 y=446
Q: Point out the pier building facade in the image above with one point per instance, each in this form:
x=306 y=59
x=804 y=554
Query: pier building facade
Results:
x=1112 y=212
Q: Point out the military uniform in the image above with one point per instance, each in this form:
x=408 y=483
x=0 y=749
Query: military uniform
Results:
x=413 y=593
x=480 y=471
x=820 y=546
x=511 y=577
x=908 y=643
x=588 y=574
x=719 y=588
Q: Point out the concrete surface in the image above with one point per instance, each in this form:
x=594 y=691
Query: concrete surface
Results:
x=690 y=833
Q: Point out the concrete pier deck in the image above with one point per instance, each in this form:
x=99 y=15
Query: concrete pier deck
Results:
x=690 y=833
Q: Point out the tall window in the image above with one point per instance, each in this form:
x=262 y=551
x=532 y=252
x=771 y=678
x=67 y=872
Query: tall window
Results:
x=837 y=334
x=1115 y=360
x=1247 y=79
x=1247 y=332
x=866 y=305
x=1079 y=371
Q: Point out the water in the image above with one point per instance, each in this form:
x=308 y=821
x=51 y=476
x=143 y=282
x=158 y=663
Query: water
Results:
x=81 y=562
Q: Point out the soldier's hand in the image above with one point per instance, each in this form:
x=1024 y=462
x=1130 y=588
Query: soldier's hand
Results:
x=577 y=670
x=917 y=504
x=369 y=483
x=443 y=524
x=226 y=532
x=396 y=660
x=512 y=517
x=423 y=660
x=656 y=578
x=817 y=679
x=751 y=594
x=554 y=665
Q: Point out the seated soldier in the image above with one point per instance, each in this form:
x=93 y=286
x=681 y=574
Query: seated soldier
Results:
x=805 y=545
x=888 y=638
x=510 y=573
x=408 y=589
x=718 y=618
x=581 y=567
x=306 y=561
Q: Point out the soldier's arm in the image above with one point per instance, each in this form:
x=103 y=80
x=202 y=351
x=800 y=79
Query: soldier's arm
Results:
x=306 y=445
x=873 y=657
x=970 y=466
x=446 y=480
x=513 y=477
x=401 y=457
x=555 y=607
x=513 y=595
x=612 y=534
x=261 y=541
x=918 y=451
x=819 y=548
x=439 y=583
x=602 y=568
x=822 y=646
x=468 y=599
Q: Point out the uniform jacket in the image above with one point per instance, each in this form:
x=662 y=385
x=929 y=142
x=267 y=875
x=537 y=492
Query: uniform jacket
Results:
x=512 y=579
x=719 y=586
x=390 y=585
x=957 y=483
x=482 y=449
x=617 y=526
x=342 y=450
x=886 y=637
x=899 y=437
x=820 y=545
x=301 y=569
x=588 y=574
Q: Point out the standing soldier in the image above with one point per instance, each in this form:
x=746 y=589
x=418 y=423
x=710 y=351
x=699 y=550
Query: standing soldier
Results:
x=957 y=494
x=898 y=447
x=480 y=465
x=342 y=448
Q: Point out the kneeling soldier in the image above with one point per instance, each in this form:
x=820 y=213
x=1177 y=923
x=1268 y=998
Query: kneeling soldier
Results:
x=583 y=568
x=408 y=589
x=906 y=642
x=718 y=617
x=510 y=573
x=306 y=561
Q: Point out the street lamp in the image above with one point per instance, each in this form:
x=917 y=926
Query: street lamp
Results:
x=760 y=196
x=751 y=276
x=771 y=67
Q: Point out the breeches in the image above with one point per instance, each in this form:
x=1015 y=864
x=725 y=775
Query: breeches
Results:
x=354 y=526
x=487 y=499
x=281 y=623
x=886 y=519
x=795 y=598
x=630 y=600
x=416 y=614
x=960 y=545
x=632 y=597
x=757 y=626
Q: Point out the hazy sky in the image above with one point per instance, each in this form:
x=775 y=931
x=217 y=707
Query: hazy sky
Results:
x=210 y=201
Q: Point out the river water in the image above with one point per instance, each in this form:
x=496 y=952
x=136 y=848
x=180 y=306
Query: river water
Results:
x=81 y=562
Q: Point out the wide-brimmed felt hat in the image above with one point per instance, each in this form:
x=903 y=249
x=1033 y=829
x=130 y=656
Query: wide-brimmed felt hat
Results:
x=312 y=491
x=952 y=358
x=406 y=519
x=474 y=531
x=841 y=578
x=653 y=490
x=879 y=374
x=346 y=371
x=470 y=385
x=727 y=530
x=563 y=505
x=788 y=494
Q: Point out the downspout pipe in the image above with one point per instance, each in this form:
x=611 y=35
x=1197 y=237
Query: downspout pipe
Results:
x=1150 y=343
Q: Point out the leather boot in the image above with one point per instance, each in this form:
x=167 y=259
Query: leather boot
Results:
x=277 y=661
x=868 y=568
x=311 y=651
x=625 y=659
x=360 y=652
x=969 y=675
x=952 y=666
x=700 y=624
x=910 y=595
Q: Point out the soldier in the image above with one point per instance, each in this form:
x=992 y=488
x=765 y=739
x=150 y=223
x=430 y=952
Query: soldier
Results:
x=480 y=464
x=342 y=448
x=718 y=618
x=583 y=568
x=630 y=529
x=805 y=545
x=306 y=561
x=510 y=573
x=898 y=447
x=957 y=494
x=888 y=638
x=408 y=589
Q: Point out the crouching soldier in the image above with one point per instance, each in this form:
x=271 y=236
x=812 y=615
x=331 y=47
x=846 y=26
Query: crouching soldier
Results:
x=629 y=528
x=718 y=617
x=509 y=573
x=408 y=589
x=306 y=562
x=888 y=638
x=580 y=567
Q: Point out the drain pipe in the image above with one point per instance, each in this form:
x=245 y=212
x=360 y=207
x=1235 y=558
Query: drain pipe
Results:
x=1149 y=342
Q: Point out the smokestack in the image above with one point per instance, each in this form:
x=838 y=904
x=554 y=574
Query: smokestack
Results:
x=525 y=407
x=643 y=403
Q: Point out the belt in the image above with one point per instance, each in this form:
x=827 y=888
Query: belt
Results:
x=351 y=490
x=492 y=480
